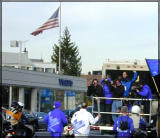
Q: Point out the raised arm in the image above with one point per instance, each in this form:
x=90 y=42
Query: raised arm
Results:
x=135 y=76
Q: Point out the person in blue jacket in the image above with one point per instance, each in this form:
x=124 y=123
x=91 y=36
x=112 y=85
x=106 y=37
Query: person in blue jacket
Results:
x=106 y=84
x=123 y=125
x=146 y=93
x=55 y=120
x=127 y=83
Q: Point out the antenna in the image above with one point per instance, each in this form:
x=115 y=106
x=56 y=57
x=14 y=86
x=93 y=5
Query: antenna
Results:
x=24 y=42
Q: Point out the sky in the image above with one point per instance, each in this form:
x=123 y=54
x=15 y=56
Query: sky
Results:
x=101 y=30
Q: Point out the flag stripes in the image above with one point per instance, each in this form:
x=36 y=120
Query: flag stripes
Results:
x=52 y=22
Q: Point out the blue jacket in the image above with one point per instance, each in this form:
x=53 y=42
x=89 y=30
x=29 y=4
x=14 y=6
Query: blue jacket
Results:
x=123 y=133
x=107 y=92
x=146 y=92
x=55 y=120
x=127 y=84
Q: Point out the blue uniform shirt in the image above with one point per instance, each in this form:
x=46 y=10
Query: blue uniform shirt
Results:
x=127 y=84
x=55 y=120
x=123 y=133
x=146 y=92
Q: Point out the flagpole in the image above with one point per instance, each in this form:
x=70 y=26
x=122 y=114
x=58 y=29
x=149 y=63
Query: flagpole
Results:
x=156 y=86
x=60 y=39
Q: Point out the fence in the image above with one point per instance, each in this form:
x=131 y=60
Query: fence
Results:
x=128 y=99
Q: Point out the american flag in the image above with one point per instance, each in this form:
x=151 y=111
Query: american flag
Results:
x=52 y=22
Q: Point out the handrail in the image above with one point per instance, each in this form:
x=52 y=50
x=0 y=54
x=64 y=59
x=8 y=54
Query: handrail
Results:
x=132 y=99
x=118 y=113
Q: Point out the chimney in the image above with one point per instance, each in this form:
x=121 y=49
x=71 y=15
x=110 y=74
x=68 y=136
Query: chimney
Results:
x=25 y=51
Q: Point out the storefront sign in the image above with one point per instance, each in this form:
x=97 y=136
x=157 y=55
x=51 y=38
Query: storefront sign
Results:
x=63 y=82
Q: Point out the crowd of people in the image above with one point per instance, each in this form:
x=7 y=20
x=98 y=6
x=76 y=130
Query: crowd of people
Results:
x=118 y=88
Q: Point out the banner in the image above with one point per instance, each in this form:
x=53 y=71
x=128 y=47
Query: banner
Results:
x=154 y=66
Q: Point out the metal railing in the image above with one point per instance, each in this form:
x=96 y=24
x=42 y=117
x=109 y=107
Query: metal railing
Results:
x=128 y=99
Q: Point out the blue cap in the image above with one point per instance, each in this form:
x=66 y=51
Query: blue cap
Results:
x=57 y=104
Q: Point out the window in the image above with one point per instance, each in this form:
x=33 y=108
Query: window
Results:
x=23 y=67
x=15 y=93
x=5 y=93
x=48 y=70
x=38 y=69
x=27 y=98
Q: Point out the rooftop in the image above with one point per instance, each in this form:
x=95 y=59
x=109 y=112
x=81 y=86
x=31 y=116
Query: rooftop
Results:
x=16 y=58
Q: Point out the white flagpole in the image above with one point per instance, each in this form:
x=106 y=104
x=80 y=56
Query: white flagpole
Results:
x=60 y=38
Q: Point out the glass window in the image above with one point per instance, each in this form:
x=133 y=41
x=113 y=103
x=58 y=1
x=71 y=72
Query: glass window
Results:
x=53 y=70
x=38 y=69
x=27 y=98
x=71 y=104
x=23 y=67
x=46 y=100
x=79 y=98
x=69 y=99
x=48 y=70
x=60 y=97
x=15 y=93
x=5 y=94
x=34 y=68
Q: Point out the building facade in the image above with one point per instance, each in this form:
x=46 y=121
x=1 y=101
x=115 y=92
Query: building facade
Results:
x=22 y=61
x=39 y=90
x=40 y=65
x=36 y=84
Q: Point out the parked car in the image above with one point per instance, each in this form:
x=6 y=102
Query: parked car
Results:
x=31 y=119
x=67 y=114
x=40 y=116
